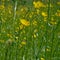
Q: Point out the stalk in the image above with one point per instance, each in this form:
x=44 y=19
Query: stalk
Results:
x=15 y=8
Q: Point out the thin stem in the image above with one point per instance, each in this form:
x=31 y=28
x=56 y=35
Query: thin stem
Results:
x=15 y=7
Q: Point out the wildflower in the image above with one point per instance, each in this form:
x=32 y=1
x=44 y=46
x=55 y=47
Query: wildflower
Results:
x=35 y=36
x=25 y=22
x=42 y=59
x=47 y=49
x=38 y=4
x=44 y=14
x=23 y=42
x=16 y=37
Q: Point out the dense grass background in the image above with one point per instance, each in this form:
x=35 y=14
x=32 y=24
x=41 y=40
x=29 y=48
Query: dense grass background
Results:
x=28 y=32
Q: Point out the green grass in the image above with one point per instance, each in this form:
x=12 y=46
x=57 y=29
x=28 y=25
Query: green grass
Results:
x=38 y=41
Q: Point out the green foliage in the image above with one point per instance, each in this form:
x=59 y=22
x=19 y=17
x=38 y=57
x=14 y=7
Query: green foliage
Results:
x=29 y=30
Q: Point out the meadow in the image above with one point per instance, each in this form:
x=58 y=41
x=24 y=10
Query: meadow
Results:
x=29 y=29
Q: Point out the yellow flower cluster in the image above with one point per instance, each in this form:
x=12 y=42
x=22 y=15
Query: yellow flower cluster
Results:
x=38 y=4
x=25 y=22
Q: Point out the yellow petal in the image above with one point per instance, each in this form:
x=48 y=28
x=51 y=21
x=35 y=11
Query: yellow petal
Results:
x=44 y=14
x=25 y=22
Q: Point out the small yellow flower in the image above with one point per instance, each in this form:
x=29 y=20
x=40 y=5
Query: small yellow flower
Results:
x=25 y=22
x=44 y=14
x=42 y=59
x=38 y=4
x=17 y=37
x=47 y=49
x=35 y=36
x=23 y=42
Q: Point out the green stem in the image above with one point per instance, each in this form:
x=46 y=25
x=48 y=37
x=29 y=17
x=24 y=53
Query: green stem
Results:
x=15 y=7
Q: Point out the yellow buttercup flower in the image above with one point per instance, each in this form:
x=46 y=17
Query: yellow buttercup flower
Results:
x=35 y=36
x=23 y=43
x=25 y=22
x=47 y=49
x=44 y=14
x=42 y=59
x=38 y=4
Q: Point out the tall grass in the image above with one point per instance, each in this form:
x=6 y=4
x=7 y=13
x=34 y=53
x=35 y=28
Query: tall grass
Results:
x=29 y=30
